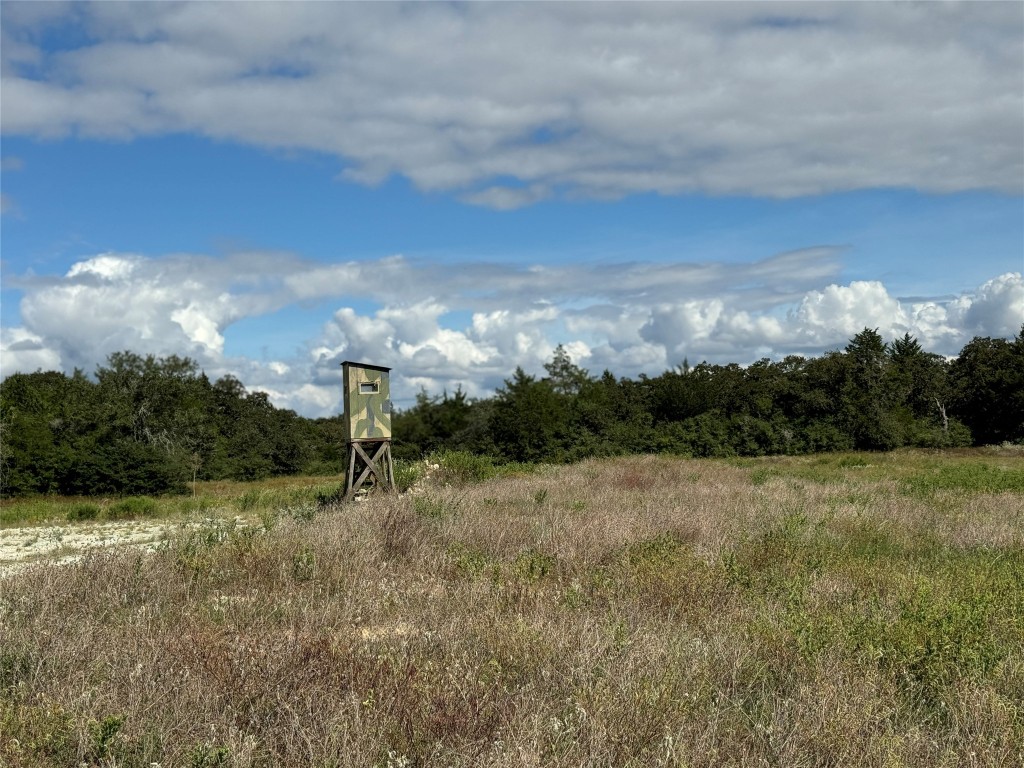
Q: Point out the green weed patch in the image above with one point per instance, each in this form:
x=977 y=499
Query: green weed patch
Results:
x=968 y=477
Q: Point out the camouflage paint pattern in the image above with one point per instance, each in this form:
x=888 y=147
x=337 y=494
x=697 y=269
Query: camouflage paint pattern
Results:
x=367 y=402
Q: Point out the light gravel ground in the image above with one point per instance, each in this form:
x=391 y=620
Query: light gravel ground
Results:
x=22 y=547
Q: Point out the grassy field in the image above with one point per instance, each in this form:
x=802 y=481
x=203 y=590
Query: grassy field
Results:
x=216 y=498
x=858 y=609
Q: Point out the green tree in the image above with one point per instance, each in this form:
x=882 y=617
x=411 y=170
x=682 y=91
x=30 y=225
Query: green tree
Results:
x=146 y=425
x=255 y=440
x=432 y=423
x=869 y=397
x=608 y=418
x=565 y=377
x=820 y=413
x=920 y=381
x=987 y=389
x=529 y=420
x=327 y=445
x=47 y=419
x=159 y=403
x=680 y=394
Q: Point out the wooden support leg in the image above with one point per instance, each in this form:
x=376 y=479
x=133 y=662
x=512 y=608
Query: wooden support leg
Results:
x=391 y=470
x=350 y=487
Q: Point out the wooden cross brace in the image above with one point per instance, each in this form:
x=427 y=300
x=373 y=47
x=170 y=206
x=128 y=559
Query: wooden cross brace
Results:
x=384 y=475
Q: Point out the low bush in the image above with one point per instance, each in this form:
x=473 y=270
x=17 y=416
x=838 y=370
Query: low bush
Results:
x=461 y=467
x=131 y=508
x=83 y=511
x=407 y=474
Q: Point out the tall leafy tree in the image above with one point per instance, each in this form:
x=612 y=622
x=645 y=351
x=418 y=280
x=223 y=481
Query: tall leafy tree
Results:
x=681 y=393
x=564 y=376
x=160 y=405
x=868 y=394
x=921 y=387
x=821 y=412
x=47 y=419
x=529 y=421
x=433 y=423
x=987 y=388
x=607 y=418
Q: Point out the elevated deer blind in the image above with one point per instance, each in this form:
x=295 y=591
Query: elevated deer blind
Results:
x=367 y=426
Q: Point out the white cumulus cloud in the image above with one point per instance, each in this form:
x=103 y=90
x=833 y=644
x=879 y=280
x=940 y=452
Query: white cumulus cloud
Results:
x=435 y=329
x=840 y=311
x=998 y=306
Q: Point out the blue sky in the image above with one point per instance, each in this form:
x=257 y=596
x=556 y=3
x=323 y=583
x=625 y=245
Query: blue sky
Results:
x=274 y=188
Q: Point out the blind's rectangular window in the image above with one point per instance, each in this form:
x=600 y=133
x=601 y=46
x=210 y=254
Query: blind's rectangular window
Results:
x=369 y=387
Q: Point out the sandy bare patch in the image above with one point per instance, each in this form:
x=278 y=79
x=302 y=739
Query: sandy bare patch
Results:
x=22 y=547
x=397 y=630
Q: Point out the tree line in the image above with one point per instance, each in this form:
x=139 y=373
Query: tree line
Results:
x=147 y=425
x=872 y=395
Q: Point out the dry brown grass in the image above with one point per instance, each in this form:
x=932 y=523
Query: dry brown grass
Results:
x=641 y=611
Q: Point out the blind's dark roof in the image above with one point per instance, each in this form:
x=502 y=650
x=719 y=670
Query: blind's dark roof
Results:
x=366 y=365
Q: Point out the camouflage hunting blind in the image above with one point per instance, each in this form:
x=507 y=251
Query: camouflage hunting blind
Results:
x=367 y=402
x=367 y=399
